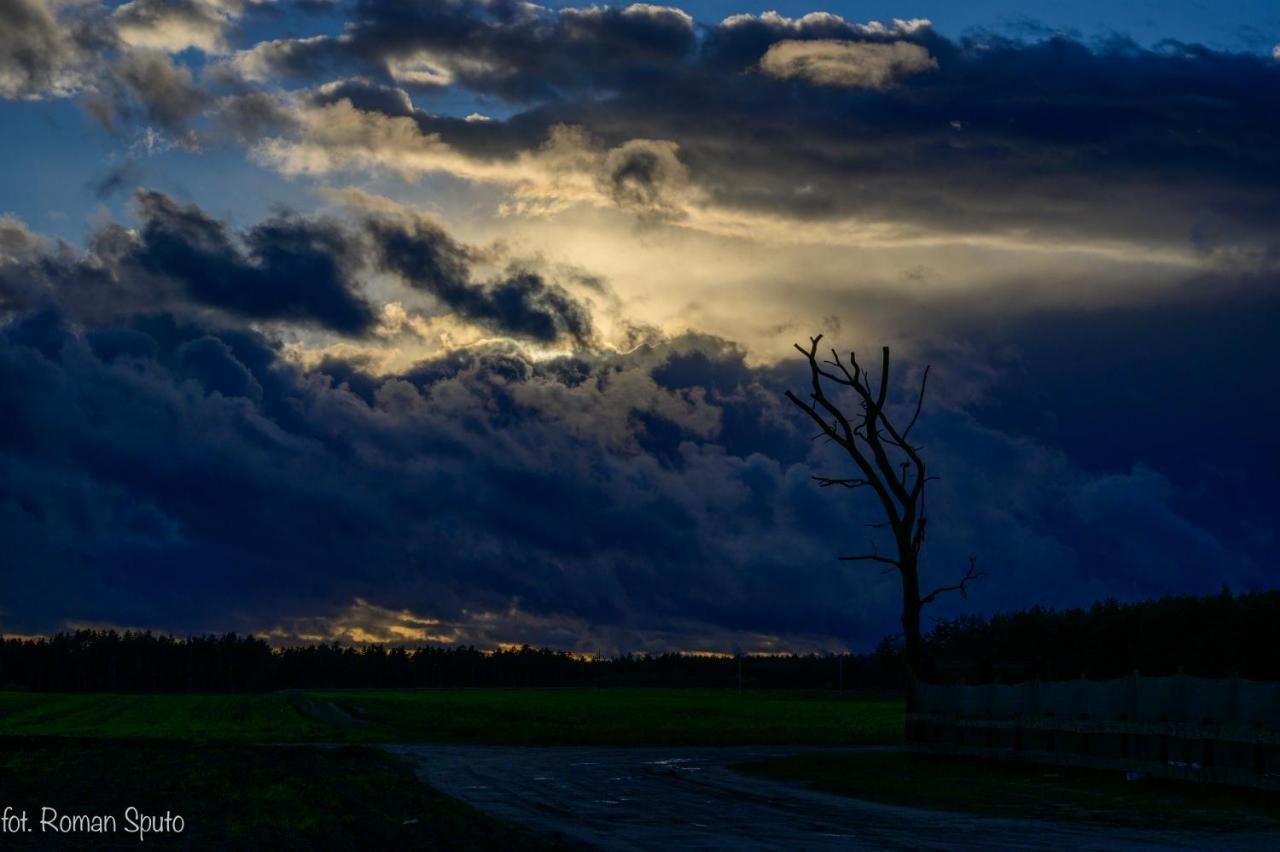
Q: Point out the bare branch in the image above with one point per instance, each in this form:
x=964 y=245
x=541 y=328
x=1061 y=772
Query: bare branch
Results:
x=845 y=433
x=962 y=587
x=871 y=557
x=919 y=404
x=884 y=378
x=827 y=482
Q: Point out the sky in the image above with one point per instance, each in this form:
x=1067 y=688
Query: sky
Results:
x=470 y=321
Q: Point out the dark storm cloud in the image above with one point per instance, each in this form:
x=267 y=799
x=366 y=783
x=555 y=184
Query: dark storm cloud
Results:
x=284 y=492
x=1052 y=139
x=1059 y=374
x=513 y=50
x=290 y=268
x=287 y=268
x=665 y=490
x=521 y=303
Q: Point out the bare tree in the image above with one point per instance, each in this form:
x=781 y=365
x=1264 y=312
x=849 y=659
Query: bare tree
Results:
x=887 y=463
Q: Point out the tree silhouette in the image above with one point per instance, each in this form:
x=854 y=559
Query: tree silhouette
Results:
x=887 y=463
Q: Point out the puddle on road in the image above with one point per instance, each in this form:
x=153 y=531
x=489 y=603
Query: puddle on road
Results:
x=675 y=763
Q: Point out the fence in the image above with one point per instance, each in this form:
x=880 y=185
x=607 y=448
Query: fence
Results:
x=1224 y=731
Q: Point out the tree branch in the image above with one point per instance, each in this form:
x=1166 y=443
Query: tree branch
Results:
x=871 y=557
x=919 y=404
x=884 y=378
x=827 y=482
x=962 y=587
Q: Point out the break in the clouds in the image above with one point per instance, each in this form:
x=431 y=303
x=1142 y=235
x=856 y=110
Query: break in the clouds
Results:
x=469 y=321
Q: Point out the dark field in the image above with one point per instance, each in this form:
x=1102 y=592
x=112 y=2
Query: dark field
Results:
x=621 y=717
x=240 y=771
x=248 y=771
x=261 y=717
x=503 y=716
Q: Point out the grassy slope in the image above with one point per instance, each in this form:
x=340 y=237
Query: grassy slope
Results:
x=1024 y=790
x=235 y=796
x=623 y=716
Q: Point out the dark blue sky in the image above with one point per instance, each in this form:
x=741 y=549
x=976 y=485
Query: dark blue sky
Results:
x=470 y=321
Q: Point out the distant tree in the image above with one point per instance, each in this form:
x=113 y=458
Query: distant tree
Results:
x=887 y=463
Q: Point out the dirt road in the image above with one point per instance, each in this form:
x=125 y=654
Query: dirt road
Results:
x=688 y=798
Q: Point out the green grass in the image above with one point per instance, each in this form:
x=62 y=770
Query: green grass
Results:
x=267 y=717
x=996 y=788
x=502 y=716
x=235 y=796
x=622 y=716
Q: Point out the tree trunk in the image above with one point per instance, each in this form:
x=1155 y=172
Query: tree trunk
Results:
x=912 y=652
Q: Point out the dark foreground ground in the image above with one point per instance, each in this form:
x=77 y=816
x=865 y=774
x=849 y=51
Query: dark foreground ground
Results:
x=527 y=769
x=235 y=796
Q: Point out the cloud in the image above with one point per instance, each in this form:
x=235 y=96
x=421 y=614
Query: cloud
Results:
x=518 y=52
x=313 y=272
x=1018 y=146
x=521 y=302
x=46 y=48
x=149 y=85
x=653 y=499
x=645 y=177
x=862 y=65
x=174 y=25
x=290 y=268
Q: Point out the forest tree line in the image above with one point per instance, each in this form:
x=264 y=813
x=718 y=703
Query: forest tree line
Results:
x=1211 y=636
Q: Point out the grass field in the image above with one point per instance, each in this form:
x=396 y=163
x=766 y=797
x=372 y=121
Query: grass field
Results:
x=997 y=788
x=526 y=716
x=265 y=717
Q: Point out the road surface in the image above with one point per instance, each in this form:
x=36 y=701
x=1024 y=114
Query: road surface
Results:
x=688 y=798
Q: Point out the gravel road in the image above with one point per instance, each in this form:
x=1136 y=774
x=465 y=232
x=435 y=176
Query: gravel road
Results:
x=689 y=798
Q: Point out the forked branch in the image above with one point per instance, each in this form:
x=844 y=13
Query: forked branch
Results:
x=962 y=587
